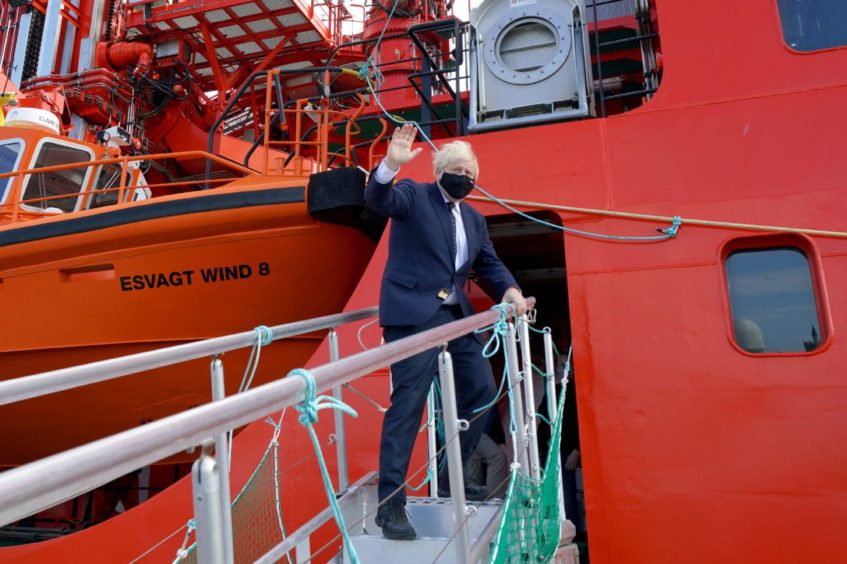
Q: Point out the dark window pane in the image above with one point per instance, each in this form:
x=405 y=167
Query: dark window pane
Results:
x=810 y=25
x=8 y=159
x=772 y=300
x=106 y=188
x=57 y=182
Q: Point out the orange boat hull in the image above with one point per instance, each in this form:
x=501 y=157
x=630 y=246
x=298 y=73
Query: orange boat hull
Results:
x=192 y=267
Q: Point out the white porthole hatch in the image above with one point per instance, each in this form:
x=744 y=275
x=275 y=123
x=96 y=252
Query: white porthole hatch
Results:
x=527 y=47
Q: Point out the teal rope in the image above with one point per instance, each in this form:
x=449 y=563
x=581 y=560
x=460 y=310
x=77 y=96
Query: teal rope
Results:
x=308 y=409
x=369 y=64
x=183 y=552
x=498 y=333
x=667 y=233
x=264 y=337
x=543 y=419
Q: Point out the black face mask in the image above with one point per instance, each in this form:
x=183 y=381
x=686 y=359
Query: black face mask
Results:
x=457 y=185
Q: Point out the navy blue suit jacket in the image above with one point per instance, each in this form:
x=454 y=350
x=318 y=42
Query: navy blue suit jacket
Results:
x=421 y=257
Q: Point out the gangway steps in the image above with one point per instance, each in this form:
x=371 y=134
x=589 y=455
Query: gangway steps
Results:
x=432 y=518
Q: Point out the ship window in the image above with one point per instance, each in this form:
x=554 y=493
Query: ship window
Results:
x=9 y=153
x=811 y=25
x=43 y=187
x=772 y=300
x=109 y=179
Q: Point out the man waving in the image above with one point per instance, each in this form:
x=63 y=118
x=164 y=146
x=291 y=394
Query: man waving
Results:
x=436 y=240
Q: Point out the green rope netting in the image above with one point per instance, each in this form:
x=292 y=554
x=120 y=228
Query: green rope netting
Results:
x=530 y=523
x=257 y=524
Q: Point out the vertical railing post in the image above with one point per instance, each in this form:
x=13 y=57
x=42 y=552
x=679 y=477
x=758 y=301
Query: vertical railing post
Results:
x=340 y=434
x=529 y=394
x=222 y=467
x=452 y=427
x=517 y=398
x=552 y=408
x=122 y=188
x=208 y=515
x=431 y=443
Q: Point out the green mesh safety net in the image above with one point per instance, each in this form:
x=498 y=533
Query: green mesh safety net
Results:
x=257 y=524
x=530 y=523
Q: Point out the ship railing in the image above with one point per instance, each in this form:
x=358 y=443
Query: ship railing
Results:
x=128 y=183
x=37 y=385
x=44 y=483
x=440 y=82
x=311 y=116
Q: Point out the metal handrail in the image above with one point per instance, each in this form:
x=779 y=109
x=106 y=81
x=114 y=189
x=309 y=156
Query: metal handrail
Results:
x=44 y=483
x=27 y=387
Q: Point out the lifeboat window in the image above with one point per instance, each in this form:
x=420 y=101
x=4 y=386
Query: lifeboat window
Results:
x=106 y=189
x=43 y=188
x=772 y=300
x=10 y=151
x=812 y=25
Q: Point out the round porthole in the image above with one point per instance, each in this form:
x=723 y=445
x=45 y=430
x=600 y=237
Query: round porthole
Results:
x=527 y=47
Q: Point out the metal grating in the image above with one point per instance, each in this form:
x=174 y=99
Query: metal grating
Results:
x=307 y=37
x=290 y=20
x=216 y=16
x=297 y=65
x=245 y=10
x=232 y=31
x=272 y=42
x=259 y=26
x=186 y=22
x=278 y=4
x=249 y=48
x=618 y=9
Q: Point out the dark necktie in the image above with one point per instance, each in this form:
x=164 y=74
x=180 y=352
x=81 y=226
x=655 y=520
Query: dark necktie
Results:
x=454 y=245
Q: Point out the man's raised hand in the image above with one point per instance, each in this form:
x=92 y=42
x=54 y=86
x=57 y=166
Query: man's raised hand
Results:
x=400 y=149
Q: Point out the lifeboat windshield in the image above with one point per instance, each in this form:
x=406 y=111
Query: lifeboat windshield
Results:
x=56 y=190
x=107 y=186
x=10 y=154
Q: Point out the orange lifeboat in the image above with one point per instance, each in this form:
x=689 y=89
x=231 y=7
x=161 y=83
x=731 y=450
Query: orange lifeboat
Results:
x=95 y=264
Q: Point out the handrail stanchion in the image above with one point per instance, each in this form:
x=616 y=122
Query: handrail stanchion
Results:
x=205 y=488
x=431 y=444
x=222 y=459
x=517 y=398
x=340 y=434
x=552 y=409
x=452 y=427
x=529 y=394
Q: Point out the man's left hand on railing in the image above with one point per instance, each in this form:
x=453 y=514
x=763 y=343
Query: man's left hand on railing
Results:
x=514 y=296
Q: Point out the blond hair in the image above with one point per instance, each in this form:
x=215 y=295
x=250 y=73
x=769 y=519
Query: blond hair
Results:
x=454 y=152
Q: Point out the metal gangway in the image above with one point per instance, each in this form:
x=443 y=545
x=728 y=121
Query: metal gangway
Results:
x=469 y=527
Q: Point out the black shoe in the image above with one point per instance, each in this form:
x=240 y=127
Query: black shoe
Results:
x=392 y=519
x=473 y=491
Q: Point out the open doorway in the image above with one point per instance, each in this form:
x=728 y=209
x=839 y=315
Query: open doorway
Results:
x=535 y=253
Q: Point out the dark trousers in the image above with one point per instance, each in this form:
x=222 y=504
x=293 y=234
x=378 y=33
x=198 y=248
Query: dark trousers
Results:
x=411 y=379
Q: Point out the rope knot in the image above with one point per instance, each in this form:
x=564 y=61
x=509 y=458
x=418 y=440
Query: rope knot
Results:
x=308 y=409
x=311 y=404
x=264 y=335
x=499 y=328
x=674 y=228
